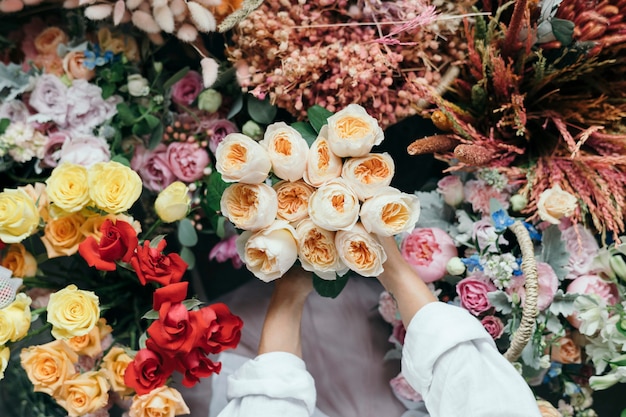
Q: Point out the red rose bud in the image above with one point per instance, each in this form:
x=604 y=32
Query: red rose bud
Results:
x=151 y=265
x=149 y=370
x=225 y=332
x=177 y=330
x=195 y=365
x=118 y=243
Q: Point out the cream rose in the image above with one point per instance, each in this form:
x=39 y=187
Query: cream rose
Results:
x=113 y=187
x=249 y=206
x=270 y=252
x=5 y=354
x=322 y=164
x=317 y=251
x=172 y=204
x=368 y=174
x=137 y=85
x=163 y=402
x=293 y=200
x=49 y=365
x=84 y=393
x=19 y=217
x=360 y=251
x=390 y=212
x=241 y=159
x=21 y=262
x=62 y=235
x=554 y=204
x=334 y=206
x=287 y=150
x=68 y=188
x=15 y=319
x=72 y=312
x=353 y=132
x=114 y=366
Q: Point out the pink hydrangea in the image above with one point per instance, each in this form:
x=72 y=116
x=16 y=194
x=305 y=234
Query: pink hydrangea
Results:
x=428 y=251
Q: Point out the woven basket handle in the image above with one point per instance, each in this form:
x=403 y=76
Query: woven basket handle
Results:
x=529 y=267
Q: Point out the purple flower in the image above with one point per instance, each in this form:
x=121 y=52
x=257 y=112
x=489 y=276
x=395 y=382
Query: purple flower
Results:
x=86 y=108
x=152 y=167
x=49 y=98
x=187 y=88
x=14 y=110
x=219 y=129
x=85 y=150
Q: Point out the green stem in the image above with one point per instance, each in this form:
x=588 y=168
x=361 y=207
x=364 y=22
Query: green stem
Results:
x=38 y=311
x=156 y=224
x=37 y=332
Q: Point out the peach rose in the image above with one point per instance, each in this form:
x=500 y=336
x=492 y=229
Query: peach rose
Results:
x=241 y=159
x=565 y=350
x=334 y=206
x=114 y=366
x=73 y=65
x=39 y=195
x=368 y=174
x=353 y=132
x=49 y=64
x=287 y=150
x=84 y=393
x=249 y=206
x=390 y=212
x=317 y=251
x=554 y=204
x=322 y=164
x=49 y=40
x=20 y=261
x=90 y=344
x=15 y=319
x=547 y=410
x=360 y=251
x=49 y=366
x=293 y=199
x=163 y=402
x=62 y=235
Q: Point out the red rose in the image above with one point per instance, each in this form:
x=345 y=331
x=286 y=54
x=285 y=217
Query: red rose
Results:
x=149 y=370
x=195 y=365
x=152 y=265
x=118 y=243
x=224 y=333
x=165 y=296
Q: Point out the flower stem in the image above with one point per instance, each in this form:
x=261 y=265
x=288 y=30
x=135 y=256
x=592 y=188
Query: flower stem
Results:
x=156 y=224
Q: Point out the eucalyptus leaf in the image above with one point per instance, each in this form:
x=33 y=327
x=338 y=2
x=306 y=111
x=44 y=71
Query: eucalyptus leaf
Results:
x=236 y=107
x=189 y=257
x=261 y=111
x=121 y=159
x=192 y=303
x=433 y=211
x=554 y=251
x=318 y=116
x=554 y=325
x=563 y=304
x=306 y=130
x=562 y=30
x=156 y=136
x=500 y=301
x=187 y=235
x=175 y=78
x=327 y=288
x=151 y=315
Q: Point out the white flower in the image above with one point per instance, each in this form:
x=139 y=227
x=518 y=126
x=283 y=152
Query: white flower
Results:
x=322 y=164
x=334 y=206
x=390 y=212
x=137 y=85
x=241 y=159
x=368 y=174
x=287 y=150
x=249 y=206
x=353 y=132
x=592 y=313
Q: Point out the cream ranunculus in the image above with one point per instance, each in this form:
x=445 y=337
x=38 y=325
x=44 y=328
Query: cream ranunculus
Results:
x=360 y=251
x=353 y=132
x=113 y=187
x=172 y=204
x=19 y=217
x=5 y=354
x=317 y=251
x=368 y=174
x=390 y=212
x=293 y=200
x=270 y=252
x=67 y=187
x=334 y=206
x=49 y=365
x=287 y=150
x=84 y=393
x=114 y=366
x=241 y=159
x=322 y=164
x=15 y=319
x=249 y=206
x=554 y=203
x=72 y=312
x=163 y=402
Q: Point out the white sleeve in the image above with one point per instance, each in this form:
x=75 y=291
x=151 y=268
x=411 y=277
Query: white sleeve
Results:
x=451 y=360
x=270 y=385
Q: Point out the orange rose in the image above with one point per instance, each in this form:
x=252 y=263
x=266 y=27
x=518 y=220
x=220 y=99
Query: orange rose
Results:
x=293 y=199
x=63 y=235
x=84 y=393
x=547 y=410
x=50 y=64
x=48 y=366
x=39 y=195
x=20 y=261
x=163 y=401
x=73 y=64
x=48 y=41
x=114 y=366
x=91 y=343
x=565 y=351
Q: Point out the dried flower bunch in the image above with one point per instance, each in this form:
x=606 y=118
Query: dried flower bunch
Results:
x=333 y=53
x=535 y=104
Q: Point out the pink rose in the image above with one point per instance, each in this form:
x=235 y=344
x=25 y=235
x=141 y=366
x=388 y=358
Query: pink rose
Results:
x=152 y=167
x=86 y=108
x=187 y=88
x=187 y=160
x=14 y=110
x=49 y=97
x=428 y=251
x=225 y=250
x=451 y=189
x=473 y=293
x=85 y=150
x=217 y=131
x=478 y=193
x=548 y=285
x=592 y=284
x=403 y=390
x=582 y=247
x=388 y=308
x=487 y=237
x=398 y=333
x=493 y=325
x=52 y=148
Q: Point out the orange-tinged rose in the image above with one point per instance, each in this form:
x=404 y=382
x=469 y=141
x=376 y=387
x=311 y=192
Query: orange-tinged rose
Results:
x=50 y=64
x=49 y=40
x=293 y=199
x=547 y=410
x=322 y=164
x=368 y=174
x=334 y=206
x=240 y=159
x=360 y=251
x=90 y=344
x=160 y=402
x=20 y=261
x=287 y=150
x=39 y=195
x=317 y=251
x=554 y=204
x=63 y=235
x=114 y=366
x=352 y=132
x=390 y=212
x=84 y=393
x=249 y=206
x=73 y=65
x=49 y=365
x=564 y=350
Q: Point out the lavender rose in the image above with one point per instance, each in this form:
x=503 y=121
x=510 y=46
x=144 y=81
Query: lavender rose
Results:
x=152 y=167
x=473 y=293
x=85 y=150
x=187 y=88
x=52 y=148
x=218 y=129
x=86 y=108
x=14 y=110
x=187 y=160
x=49 y=98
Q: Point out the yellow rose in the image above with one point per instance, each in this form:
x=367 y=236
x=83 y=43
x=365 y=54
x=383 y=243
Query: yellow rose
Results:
x=49 y=39
x=547 y=410
x=15 y=319
x=240 y=159
x=72 y=312
x=293 y=199
x=63 y=235
x=20 y=261
x=554 y=203
x=390 y=212
x=40 y=196
x=49 y=365
x=353 y=132
x=287 y=150
x=90 y=344
x=84 y=393
x=249 y=206
x=67 y=187
x=113 y=187
x=172 y=204
x=360 y=251
x=368 y=174
x=317 y=251
x=19 y=217
x=322 y=164
x=334 y=206
x=5 y=354
x=114 y=366
x=163 y=402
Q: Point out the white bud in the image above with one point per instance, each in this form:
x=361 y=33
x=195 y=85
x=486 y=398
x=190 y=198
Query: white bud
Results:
x=455 y=266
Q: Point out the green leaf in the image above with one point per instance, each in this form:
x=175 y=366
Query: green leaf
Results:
x=4 y=123
x=187 y=235
x=562 y=30
x=126 y=114
x=188 y=256
x=141 y=128
x=156 y=136
x=142 y=340
x=623 y=414
x=175 y=78
x=327 y=288
x=318 y=116
x=261 y=111
x=190 y=304
x=121 y=159
x=306 y=130
x=108 y=89
x=236 y=108
x=151 y=315
x=152 y=121
x=219 y=227
x=215 y=189
x=554 y=251
x=500 y=301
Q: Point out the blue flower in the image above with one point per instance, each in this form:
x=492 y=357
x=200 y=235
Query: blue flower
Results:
x=472 y=263
x=517 y=272
x=501 y=220
x=532 y=231
x=554 y=371
x=96 y=58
